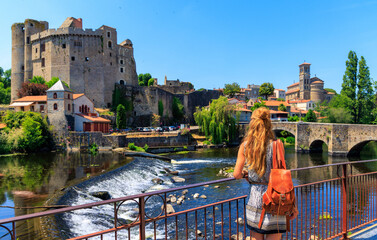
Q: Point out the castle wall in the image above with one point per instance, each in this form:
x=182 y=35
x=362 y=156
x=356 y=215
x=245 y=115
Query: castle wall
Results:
x=90 y=61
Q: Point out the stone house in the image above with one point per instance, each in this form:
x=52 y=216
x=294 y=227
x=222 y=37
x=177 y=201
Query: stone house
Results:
x=64 y=109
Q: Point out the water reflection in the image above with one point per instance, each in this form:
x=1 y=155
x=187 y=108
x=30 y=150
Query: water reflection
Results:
x=31 y=179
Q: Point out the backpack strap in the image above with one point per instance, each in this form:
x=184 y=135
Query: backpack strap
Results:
x=280 y=154
x=261 y=218
x=275 y=164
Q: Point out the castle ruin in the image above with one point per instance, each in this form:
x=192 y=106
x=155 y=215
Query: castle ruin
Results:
x=90 y=61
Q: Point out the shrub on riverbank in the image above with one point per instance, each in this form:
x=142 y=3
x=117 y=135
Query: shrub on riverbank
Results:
x=133 y=147
x=25 y=132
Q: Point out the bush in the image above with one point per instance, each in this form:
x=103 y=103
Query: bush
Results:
x=146 y=147
x=290 y=140
x=133 y=147
x=93 y=148
x=282 y=139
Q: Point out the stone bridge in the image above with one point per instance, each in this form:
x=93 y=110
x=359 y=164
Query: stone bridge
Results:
x=341 y=139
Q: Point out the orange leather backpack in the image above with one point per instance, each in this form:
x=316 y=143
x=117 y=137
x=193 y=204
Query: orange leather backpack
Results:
x=279 y=199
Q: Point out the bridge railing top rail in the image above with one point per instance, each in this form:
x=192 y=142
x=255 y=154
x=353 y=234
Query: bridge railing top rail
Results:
x=143 y=195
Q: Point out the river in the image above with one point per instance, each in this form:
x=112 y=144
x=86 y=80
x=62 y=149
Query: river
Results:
x=32 y=179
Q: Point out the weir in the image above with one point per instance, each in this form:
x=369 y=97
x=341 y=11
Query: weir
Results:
x=328 y=209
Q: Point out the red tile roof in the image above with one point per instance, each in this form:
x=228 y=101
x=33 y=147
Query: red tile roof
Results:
x=292 y=91
x=317 y=82
x=275 y=103
x=277 y=112
x=299 y=101
x=295 y=84
x=32 y=99
x=77 y=95
x=94 y=119
x=305 y=63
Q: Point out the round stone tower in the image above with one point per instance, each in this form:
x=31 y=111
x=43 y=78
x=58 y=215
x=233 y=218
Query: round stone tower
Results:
x=17 y=77
x=316 y=94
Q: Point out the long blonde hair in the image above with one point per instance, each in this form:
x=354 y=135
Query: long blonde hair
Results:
x=257 y=139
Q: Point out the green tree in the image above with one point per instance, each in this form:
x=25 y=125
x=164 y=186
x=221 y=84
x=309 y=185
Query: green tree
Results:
x=151 y=82
x=231 y=89
x=258 y=105
x=160 y=108
x=121 y=118
x=143 y=79
x=38 y=80
x=310 y=116
x=282 y=107
x=32 y=135
x=293 y=119
x=53 y=81
x=365 y=94
x=4 y=94
x=178 y=109
x=266 y=89
x=357 y=94
x=218 y=121
x=5 y=77
x=331 y=90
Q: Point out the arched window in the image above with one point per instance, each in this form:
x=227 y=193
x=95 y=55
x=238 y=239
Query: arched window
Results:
x=55 y=106
x=109 y=44
x=86 y=109
x=121 y=82
x=69 y=107
x=55 y=95
x=79 y=108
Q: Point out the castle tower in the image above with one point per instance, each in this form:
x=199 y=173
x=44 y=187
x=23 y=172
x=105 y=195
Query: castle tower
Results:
x=304 y=80
x=17 y=76
x=31 y=27
x=22 y=67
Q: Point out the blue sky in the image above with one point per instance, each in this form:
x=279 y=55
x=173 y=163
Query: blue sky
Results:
x=212 y=42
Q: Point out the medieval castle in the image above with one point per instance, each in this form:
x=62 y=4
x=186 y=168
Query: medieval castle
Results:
x=90 y=61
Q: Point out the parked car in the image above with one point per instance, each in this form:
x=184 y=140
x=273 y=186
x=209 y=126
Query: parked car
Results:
x=171 y=128
x=159 y=129
x=139 y=129
x=165 y=128
x=146 y=129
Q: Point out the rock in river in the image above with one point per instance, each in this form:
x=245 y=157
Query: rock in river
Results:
x=169 y=208
x=157 y=181
x=178 y=179
x=104 y=195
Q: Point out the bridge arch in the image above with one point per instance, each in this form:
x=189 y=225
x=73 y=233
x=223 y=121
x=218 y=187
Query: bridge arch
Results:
x=356 y=149
x=317 y=145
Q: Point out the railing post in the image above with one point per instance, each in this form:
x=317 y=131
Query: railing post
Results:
x=142 y=218
x=345 y=202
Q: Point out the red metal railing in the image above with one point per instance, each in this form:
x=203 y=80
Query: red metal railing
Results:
x=329 y=209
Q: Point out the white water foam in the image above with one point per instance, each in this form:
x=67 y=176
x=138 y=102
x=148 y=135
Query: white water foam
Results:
x=129 y=180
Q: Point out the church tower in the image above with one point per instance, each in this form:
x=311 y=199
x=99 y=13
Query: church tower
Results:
x=304 y=81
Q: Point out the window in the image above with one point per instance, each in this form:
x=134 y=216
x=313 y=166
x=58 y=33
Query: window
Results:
x=121 y=61
x=121 y=70
x=22 y=108
x=86 y=59
x=110 y=55
x=55 y=106
x=108 y=34
x=55 y=96
x=109 y=44
x=77 y=43
x=27 y=40
x=36 y=50
x=41 y=108
x=32 y=108
x=121 y=82
x=43 y=62
x=73 y=58
x=43 y=47
x=80 y=109
x=22 y=68
x=108 y=105
x=63 y=45
x=31 y=25
x=69 y=107
x=69 y=96
x=111 y=64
